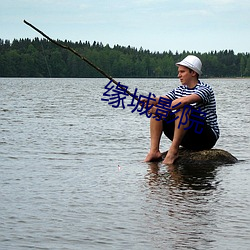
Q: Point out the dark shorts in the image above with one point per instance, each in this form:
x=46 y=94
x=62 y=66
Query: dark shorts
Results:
x=191 y=140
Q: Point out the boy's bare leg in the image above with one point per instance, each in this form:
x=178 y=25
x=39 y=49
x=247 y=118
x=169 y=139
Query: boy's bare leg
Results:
x=179 y=133
x=156 y=128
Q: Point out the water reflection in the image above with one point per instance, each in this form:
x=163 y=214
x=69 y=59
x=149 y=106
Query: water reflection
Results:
x=183 y=177
x=183 y=197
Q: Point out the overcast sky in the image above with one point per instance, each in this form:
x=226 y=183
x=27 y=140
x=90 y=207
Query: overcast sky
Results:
x=157 y=25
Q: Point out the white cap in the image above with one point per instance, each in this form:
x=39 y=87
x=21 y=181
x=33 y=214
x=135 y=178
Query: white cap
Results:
x=191 y=62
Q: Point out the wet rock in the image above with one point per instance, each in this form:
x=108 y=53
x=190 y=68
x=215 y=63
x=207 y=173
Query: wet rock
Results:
x=204 y=157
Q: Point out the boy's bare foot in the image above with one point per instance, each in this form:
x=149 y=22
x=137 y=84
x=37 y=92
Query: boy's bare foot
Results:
x=171 y=156
x=153 y=156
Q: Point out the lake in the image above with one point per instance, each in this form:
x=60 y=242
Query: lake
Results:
x=72 y=173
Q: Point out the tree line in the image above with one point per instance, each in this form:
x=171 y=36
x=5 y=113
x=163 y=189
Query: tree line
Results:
x=41 y=58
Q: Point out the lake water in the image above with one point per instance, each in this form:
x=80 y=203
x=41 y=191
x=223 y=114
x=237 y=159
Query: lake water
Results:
x=72 y=174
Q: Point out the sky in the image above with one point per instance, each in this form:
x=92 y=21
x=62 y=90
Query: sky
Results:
x=155 y=25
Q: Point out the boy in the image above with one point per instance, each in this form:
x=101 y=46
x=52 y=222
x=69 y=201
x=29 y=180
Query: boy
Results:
x=191 y=98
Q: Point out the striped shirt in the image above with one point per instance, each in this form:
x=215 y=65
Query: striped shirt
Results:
x=207 y=105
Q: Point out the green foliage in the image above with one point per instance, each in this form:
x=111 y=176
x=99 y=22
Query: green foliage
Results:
x=41 y=58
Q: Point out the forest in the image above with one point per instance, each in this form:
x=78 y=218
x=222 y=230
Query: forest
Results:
x=41 y=58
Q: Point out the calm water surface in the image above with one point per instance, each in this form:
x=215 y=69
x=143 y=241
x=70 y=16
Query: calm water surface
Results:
x=72 y=176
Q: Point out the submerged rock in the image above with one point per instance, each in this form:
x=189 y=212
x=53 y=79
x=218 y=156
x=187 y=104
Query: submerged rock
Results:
x=204 y=157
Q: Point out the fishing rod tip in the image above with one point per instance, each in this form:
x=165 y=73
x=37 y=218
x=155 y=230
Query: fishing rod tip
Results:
x=26 y=22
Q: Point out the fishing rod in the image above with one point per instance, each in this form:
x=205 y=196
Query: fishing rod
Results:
x=81 y=57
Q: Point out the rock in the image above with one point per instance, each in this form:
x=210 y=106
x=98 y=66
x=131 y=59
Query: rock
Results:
x=204 y=157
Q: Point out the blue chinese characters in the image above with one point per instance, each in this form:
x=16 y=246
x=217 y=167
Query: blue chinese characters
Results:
x=115 y=96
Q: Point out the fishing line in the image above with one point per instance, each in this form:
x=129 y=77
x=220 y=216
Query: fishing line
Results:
x=45 y=58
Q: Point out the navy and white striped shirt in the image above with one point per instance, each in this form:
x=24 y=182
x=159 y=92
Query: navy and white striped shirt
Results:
x=207 y=105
